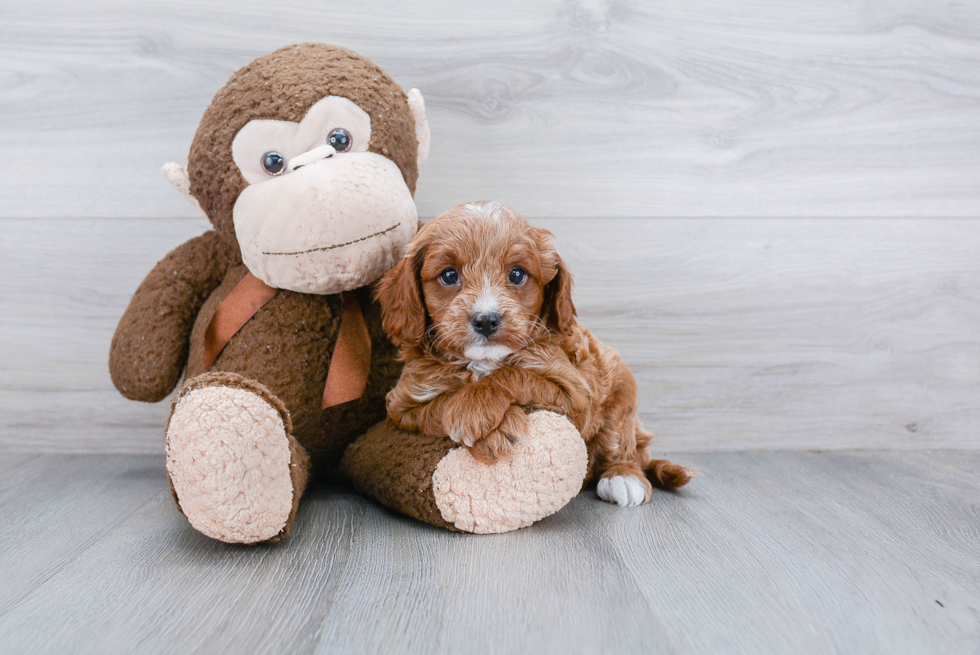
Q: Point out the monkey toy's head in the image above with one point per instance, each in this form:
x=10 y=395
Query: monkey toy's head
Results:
x=308 y=157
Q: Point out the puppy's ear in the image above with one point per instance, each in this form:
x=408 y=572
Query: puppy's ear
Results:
x=400 y=295
x=558 y=310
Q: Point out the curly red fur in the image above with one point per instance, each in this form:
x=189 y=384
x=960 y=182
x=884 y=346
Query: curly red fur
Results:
x=474 y=388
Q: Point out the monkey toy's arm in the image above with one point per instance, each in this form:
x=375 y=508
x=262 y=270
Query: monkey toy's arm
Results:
x=150 y=346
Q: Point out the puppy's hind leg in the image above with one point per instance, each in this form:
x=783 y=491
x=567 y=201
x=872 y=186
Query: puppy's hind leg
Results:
x=618 y=460
x=629 y=481
x=625 y=485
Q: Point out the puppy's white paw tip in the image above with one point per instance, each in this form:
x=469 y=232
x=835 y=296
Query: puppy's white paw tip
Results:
x=623 y=490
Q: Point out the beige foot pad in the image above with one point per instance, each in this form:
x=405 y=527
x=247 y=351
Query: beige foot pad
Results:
x=228 y=457
x=545 y=473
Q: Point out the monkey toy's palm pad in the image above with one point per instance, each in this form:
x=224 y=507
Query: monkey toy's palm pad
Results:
x=305 y=163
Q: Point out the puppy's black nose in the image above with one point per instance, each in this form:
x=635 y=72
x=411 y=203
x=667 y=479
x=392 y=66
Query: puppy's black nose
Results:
x=485 y=324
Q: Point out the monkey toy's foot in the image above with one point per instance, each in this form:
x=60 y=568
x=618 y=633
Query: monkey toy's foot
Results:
x=236 y=472
x=440 y=483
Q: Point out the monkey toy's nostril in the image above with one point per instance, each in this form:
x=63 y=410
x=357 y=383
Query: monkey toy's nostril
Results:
x=485 y=324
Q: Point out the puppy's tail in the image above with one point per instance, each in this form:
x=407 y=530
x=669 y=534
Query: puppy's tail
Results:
x=662 y=473
x=667 y=475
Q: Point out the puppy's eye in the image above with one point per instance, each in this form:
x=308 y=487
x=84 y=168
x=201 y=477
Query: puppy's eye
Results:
x=340 y=139
x=517 y=276
x=273 y=163
x=449 y=277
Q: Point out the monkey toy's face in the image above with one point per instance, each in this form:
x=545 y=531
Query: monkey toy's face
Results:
x=320 y=214
x=306 y=162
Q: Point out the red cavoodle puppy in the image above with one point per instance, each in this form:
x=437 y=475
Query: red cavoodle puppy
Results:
x=481 y=309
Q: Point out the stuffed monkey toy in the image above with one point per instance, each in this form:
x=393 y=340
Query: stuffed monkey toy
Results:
x=305 y=163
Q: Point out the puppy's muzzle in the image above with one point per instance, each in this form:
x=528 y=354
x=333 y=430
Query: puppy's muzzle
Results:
x=486 y=324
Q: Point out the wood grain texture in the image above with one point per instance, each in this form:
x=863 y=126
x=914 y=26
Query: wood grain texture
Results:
x=55 y=509
x=764 y=552
x=743 y=333
x=559 y=107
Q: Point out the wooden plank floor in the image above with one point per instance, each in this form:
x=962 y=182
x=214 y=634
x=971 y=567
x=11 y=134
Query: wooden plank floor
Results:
x=778 y=552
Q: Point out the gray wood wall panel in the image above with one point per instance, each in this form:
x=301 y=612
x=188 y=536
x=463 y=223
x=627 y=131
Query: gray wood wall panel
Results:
x=560 y=108
x=862 y=552
x=852 y=325
x=743 y=333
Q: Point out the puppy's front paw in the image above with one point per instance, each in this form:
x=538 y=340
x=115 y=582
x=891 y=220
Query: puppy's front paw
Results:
x=493 y=448
x=624 y=490
x=499 y=444
x=472 y=415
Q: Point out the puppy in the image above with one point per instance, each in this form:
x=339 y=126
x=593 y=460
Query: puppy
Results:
x=481 y=309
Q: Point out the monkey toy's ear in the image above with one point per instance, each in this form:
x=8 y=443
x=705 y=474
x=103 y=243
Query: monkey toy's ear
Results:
x=417 y=104
x=177 y=175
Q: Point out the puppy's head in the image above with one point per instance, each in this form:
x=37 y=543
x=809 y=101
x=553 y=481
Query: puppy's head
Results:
x=477 y=283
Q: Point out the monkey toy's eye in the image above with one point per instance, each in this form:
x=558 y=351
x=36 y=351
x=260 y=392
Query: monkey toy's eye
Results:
x=449 y=277
x=340 y=139
x=273 y=163
x=517 y=276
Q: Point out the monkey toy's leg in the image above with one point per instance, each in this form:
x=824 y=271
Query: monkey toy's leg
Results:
x=439 y=482
x=236 y=472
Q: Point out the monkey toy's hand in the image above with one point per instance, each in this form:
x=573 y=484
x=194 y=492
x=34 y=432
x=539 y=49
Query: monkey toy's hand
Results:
x=150 y=346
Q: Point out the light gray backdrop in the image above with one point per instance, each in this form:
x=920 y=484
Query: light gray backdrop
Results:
x=769 y=208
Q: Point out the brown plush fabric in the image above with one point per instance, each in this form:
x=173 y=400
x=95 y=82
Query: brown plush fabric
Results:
x=283 y=85
x=299 y=473
x=395 y=468
x=245 y=300
x=173 y=494
x=287 y=346
x=150 y=346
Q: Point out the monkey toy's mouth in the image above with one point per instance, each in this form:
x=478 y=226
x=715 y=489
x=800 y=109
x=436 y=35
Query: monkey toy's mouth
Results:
x=337 y=245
